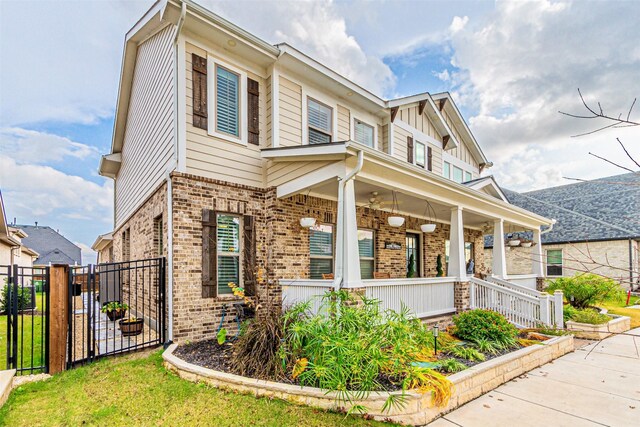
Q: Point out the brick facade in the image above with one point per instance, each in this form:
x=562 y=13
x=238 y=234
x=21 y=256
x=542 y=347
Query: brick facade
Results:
x=282 y=244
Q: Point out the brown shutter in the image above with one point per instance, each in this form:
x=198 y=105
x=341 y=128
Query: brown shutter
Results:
x=409 y=149
x=253 y=111
x=429 y=159
x=249 y=255
x=209 y=254
x=199 y=77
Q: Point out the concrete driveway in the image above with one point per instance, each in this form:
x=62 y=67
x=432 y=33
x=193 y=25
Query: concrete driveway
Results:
x=578 y=389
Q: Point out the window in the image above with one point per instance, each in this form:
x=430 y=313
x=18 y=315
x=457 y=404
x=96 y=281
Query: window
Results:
x=457 y=174
x=413 y=261
x=126 y=244
x=158 y=231
x=363 y=133
x=446 y=171
x=320 y=121
x=468 y=253
x=420 y=154
x=554 y=262
x=467 y=176
x=228 y=238
x=366 y=249
x=320 y=250
x=469 y=257
x=227 y=101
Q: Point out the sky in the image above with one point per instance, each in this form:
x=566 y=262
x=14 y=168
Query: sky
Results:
x=510 y=67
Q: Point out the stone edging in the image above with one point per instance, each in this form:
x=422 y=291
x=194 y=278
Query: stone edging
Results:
x=6 y=383
x=598 y=332
x=419 y=409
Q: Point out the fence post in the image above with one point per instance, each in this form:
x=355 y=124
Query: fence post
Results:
x=545 y=309
x=558 y=298
x=58 y=317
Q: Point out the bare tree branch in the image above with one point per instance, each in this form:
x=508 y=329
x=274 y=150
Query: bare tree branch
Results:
x=613 y=163
x=625 y=149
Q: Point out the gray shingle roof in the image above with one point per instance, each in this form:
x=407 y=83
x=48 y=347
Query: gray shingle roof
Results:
x=601 y=209
x=52 y=246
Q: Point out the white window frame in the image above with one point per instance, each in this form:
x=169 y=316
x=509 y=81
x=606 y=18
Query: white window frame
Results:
x=415 y=154
x=371 y=258
x=546 y=262
x=332 y=133
x=230 y=254
x=367 y=123
x=454 y=161
x=307 y=93
x=333 y=250
x=212 y=65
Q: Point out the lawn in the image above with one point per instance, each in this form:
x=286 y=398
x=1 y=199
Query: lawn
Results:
x=25 y=323
x=136 y=390
x=618 y=307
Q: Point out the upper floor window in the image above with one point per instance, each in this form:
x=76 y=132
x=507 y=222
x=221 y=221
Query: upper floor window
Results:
x=420 y=154
x=228 y=241
x=446 y=170
x=467 y=176
x=227 y=101
x=554 y=262
x=320 y=121
x=457 y=174
x=363 y=133
x=321 y=251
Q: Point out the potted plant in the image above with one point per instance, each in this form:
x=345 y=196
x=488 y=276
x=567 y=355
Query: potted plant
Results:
x=131 y=326
x=115 y=310
x=526 y=243
x=513 y=240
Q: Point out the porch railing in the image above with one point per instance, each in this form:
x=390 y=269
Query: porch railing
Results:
x=514 y=286
x=526 y=280
x=300 y=290
x=526 y=310
x=424 y=297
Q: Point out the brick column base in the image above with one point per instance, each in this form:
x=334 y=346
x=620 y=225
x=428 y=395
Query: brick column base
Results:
x=540 y=285
x=356 y=294
x=462 y=296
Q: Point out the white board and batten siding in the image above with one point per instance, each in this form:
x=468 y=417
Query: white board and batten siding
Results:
x=148 y=147
x=462 y=152
x=212 y=157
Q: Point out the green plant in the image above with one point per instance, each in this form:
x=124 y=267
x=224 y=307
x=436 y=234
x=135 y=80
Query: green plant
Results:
x=222 y=336
x=24 y=298
x=584 y=290
x=439 y=271
x=452 y=365
x=488 y=347
x=411 y=266
x=589 y=316
x=545 y=330
x=114 y=306
x=465 y=352
x=478 y=324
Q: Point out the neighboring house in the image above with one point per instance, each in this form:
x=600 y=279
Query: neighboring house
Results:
x=223 y=142
x=52 y=247
x=597 y=229
x=12 y=248
x=104 y=247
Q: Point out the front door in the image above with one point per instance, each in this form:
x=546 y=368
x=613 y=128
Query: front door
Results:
x=413 y=254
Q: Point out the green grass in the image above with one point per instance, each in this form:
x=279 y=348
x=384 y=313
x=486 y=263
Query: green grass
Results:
x=619 y=308
x=136 y=390
x=25 y=323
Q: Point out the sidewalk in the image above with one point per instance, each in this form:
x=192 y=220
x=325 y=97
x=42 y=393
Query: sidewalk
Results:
x=578 y=389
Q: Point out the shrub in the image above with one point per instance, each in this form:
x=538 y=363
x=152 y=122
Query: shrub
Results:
x=464 y=352
x=452 y=365
x=24 y=298
x=589 y=316
x=355 y=346
x=586 y=290
x=476 y=325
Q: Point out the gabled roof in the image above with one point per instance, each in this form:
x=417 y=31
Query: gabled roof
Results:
x=598 y=210
x=488 y=184
x=46 y=241
x=102 y=241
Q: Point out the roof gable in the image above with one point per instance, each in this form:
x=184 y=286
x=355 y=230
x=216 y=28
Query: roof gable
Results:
x=46 y=241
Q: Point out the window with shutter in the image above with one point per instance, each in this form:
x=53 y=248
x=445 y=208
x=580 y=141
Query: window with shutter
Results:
x=410 y=149
x=320 y=122
x=429 y=159
x=228 y=248
x=209 y=254
x=253 y=111
x=320 y=250
x=366 y=250
x=249 y=255
x=227 y=101
x=420 y=154
x=199 y=91
x=363 y=133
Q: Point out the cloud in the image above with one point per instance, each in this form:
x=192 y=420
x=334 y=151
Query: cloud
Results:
x=30 y=146
x=317 y=29
x=89 y=256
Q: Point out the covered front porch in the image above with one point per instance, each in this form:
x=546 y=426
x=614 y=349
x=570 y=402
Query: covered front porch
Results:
x=369 y=212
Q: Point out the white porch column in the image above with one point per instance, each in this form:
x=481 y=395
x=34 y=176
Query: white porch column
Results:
x=499 y=267
x=351 y=256
x=339 y=255
x=457 y=263
x=536 y=254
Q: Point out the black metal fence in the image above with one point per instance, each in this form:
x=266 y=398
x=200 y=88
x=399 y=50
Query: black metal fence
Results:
x=115 y=308
x=24 y=307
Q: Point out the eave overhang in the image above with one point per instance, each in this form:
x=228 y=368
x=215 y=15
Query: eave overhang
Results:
x=110 y=165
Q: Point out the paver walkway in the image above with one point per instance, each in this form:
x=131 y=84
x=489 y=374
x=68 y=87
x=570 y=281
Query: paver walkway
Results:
x=601 y=388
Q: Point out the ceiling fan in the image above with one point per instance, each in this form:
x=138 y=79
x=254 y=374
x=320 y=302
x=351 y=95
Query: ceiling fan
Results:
x=376 y=202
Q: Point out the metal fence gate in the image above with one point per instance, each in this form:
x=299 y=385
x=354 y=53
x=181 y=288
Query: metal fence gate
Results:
x=24 y=309
x=115 y=308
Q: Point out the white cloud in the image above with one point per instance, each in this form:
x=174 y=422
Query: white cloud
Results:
x=30 y=146
x=89 y=256
x=458 y=24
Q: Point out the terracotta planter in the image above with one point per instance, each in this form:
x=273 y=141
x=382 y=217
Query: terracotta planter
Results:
x=131 y=328
x=114 y=315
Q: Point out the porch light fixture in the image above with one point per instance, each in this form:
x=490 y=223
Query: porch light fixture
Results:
x=395 y=220
x=430 y=226
x=307 y=221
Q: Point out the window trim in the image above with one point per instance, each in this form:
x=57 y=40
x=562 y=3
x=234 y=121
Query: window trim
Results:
x=415 y=153
x=309 y=126
x=239 y=254
x=309 y=92
x=546 y=263
x=333 y=250
x=243 y=125
x=371 y=258
x=374 y=142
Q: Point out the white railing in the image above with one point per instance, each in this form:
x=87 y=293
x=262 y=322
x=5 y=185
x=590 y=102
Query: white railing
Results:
x=526 y=280
x=524 y=310
x=424 y=297
x=513 y=286
x=294 y=291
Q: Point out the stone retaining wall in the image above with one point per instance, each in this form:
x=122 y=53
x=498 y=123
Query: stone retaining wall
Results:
x=599 y=332
x=419 y=409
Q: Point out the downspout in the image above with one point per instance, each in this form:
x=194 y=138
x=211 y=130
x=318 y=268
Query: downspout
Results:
x=553 y=222
x=177 y=124
x=342 y=182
